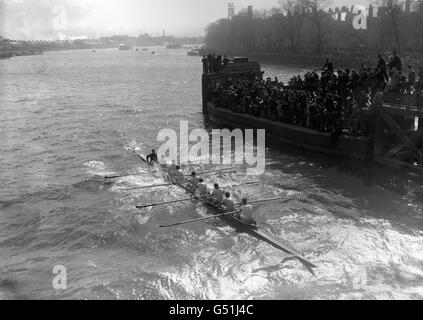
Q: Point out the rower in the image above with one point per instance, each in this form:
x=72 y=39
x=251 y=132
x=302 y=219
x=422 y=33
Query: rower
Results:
x=217 y=194
x=194 y=180
x=171 y=170
x=246 y=212
x=202 y=188
x=152 y=157
x=228 y=203
x=178 y=175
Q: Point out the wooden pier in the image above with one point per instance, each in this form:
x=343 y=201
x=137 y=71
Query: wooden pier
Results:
x=396 y=138
x=238 y=68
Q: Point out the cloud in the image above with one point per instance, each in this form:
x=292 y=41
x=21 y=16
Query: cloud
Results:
x=26 y=19
x=39 y=19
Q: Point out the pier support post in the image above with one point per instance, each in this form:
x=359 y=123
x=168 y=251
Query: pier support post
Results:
x=395 y=144
x=379 y=134
x=204 y=92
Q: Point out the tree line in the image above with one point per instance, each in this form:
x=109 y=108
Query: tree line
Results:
x=307 y=26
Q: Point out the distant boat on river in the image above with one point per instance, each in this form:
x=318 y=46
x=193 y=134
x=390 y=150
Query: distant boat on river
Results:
x=123 y=46
x=194 y=52
x=174 y=46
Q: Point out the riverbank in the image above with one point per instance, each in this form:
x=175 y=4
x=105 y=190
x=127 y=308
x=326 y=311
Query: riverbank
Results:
x=11 y=54
x=314 y=61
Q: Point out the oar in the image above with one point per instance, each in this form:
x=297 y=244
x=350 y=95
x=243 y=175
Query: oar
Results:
x=199 y=219
x=172 y=184
x=243 y=184
x=168 y=202
x=138 y=155
x=122 y=176
x=152 y=186
x=266 y=200
x=214 y=171
x=127 y=175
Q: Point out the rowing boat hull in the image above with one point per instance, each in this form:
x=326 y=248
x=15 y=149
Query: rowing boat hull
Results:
x=255 y=231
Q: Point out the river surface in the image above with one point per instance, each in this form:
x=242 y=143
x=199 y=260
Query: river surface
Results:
x=66 y=119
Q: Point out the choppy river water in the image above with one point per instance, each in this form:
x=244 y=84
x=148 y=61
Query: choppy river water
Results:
x=67 y=117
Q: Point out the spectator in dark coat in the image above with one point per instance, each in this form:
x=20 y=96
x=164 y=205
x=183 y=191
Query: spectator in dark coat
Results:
x=396 y=62
x=411 y=76
x=381 y=68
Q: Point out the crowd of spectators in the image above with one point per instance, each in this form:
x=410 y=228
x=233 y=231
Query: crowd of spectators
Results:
x=336 y=102
x=213 y=63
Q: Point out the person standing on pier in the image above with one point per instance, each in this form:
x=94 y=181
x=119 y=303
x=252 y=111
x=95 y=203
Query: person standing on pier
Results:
x=394 y=82
x=219 y=65
x=381 y=69
x=210 y=63
x=328 y=66
x=396 y=62
x=205 y=65
x=225 y=61
x=213 y=63
x=411 y=76
x=420 y=82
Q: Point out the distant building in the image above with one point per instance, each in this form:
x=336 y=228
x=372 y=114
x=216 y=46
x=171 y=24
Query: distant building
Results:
x=407 y=6
x=231 y=10
x=250 y=12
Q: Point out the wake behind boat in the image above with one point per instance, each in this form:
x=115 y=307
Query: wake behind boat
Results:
x=251 y=229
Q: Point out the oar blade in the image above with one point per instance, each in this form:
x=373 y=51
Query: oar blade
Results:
x=215 y=171
x=170 y=225
x=112 y=177
x=149 y=187
x=163 y=203
x=120 y=176
x=199 y=219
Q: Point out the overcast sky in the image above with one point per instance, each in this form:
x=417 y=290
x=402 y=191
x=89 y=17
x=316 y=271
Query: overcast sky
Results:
x=50 y=19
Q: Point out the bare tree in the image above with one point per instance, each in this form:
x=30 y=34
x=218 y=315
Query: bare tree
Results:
x=419 y=22
x=393 y=11
x=305 y=20
x=294 y=11
x=318 y=17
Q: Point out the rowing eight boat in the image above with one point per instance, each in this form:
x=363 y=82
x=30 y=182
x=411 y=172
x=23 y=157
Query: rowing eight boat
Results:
x=244 y=227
